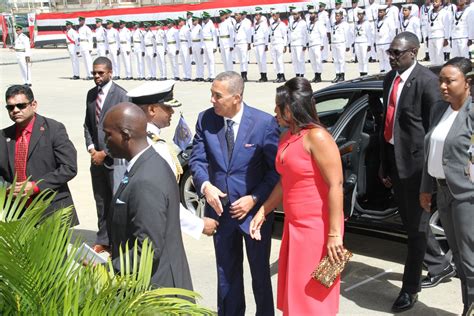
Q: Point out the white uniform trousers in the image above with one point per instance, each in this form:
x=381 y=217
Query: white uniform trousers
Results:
x=361 y=55
x=459 y=48
x=297 y=59
x=325 y=52
x=277 y=58
x=226 y=56
x=261 y=57
x=315 y=58
x=140 y=65
x=86 y=55
x=383 y=58
x=185 y=60
x=198 y=60
x=101 y=50
x=339 y=56
x=71 y=48
x=25 y=68
x=126 y=60
x=161 y=61
x=241 y=55
x=114 y=58
x=150 y=62
x=436 y=51
x=209 y=59
x=171 y=53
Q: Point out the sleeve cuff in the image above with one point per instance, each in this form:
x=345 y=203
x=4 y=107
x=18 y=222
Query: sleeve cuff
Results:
x=91 y=146
x=203 y=186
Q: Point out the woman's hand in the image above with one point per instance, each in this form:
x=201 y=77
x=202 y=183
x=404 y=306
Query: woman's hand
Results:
x=256 y=224
x=335 y=248
x=425 y=201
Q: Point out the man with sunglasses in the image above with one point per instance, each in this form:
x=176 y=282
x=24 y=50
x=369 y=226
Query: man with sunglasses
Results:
x=100 y=99
x=36 y=151
x=409 y=93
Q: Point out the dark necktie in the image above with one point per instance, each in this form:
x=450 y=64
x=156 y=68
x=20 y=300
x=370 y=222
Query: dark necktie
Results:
x=21 y=155
x=98 y=103
x=229 y=136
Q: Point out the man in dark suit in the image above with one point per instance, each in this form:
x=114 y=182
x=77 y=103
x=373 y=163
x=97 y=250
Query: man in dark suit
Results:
x=100 y=99
x=232 y=164
x=36 y=150
x=409 y=92
x=146 y=204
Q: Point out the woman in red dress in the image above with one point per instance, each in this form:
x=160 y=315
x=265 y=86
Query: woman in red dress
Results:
x=310 y=186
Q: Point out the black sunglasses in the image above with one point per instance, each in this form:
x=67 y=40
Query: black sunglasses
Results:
x=100 y=73
x=19 y=106
x=397 y=53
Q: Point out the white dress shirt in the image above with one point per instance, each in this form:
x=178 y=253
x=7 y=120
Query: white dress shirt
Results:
x=135 y=158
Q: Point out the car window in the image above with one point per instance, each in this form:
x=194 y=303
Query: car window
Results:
x=335 y=104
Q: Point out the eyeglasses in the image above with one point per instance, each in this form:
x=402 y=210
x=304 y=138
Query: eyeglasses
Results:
x=19 y=106
x=100 y=73
x=395 y=53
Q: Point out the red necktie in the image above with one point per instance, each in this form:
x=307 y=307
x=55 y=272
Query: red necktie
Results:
x=21 y=155
x=98 y=102
x=389 y=118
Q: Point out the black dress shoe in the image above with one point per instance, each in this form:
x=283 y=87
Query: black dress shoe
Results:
x=404 y=302
x=433 y=280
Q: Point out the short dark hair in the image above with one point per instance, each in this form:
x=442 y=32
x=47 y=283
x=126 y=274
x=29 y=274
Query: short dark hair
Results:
x=297 y=95
x=463 y=64
x=19 y=89
x=410 y=37
x=103 y=61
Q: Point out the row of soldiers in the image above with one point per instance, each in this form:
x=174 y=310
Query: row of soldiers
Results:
x=365 y=33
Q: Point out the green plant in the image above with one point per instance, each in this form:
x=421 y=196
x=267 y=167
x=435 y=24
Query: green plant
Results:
x=39 y=275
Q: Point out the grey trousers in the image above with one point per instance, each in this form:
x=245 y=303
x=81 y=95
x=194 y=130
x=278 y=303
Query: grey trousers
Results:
x=457 y=218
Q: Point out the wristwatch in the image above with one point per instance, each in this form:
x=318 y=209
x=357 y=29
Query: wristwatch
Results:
x=254 y=198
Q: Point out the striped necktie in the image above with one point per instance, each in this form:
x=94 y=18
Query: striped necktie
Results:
x=21 y=156
x=98 y=104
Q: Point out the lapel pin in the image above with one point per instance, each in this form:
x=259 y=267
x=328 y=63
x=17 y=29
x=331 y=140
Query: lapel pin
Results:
x=41 y=128
x=408 y=84
x=8 y=139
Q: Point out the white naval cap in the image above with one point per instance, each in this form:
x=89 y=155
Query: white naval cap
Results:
x=382 y=7
x=406 y=6
x=312 y=11
x=160 y=92
x=339 y=11
x=360 y=11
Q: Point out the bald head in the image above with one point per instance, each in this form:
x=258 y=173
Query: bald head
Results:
x=125 y=130
x=408 y=40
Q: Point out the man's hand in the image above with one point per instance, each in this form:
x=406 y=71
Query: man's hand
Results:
x=348 y=49
x=240 y=208
x=387 y=182
x=210 y=226
x=28 y=188
x=190 y=50
x=425 y=201
x=177 y=52
x=118 y=52
x=368 y=48
x=143 y=54
x=28 y=59
x=214 y=50
x=445 y=43
x=284 y=49
x=106 y=52
x=154 y=55
x=213 y=196
x=231 y=49
x=128 y=53
x=97 y=157
x=202 y=51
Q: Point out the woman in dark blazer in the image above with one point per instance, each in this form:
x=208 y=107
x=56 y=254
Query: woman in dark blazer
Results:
x=449 y=159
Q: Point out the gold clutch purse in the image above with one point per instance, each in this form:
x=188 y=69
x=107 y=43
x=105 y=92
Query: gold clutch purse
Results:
x=326 y=272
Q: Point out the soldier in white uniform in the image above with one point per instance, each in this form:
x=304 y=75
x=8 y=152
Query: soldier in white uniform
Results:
x=260 y=44
x=150 y=51
x=226 y=40
x=160 y=39
x=172 y=48
x=371 y=15
x=460 y=30
x=438 y=32
x=125 y=37
x=85 y=45
x=424 y=11
x=450 y=8
x=363 y=31
x=351 y=20
x=189 y=23
x=23 y=54
x=100 y=38
x=185 y=48
x=209 y=37
x=113 y=47
x=242 y=40
x=197 y=48
x=393 y=13
x=298 y=40
x=341 y=41
x=317 y=31
x=409 y=22
x=156 y=100
x=338 y=7
x=73 y=48
x=139 y=50
x=385 y=31
x=323 y=16
x=278 y=39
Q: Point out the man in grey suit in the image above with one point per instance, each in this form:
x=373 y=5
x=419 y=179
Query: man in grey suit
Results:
x=146 y=204
x=100 y=99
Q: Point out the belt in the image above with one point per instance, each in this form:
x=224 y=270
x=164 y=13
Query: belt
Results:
x=83 y=40
x=113 y=42
x=196 y=41
x=442 y=182
x=19 y=50
x=137 y=42
x=101 y=41
x=149 y=45
x=123 y=42
x=159 y=44
x=183 y=41
x=459 y=38
x=208 y=40
x=172 y=42
x=224 y=36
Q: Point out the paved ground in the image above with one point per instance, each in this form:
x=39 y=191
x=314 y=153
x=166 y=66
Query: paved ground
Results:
x=372 y=279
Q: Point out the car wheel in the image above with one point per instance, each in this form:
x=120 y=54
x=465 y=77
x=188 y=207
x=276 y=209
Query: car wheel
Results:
x=190 y=197
x=438 y=231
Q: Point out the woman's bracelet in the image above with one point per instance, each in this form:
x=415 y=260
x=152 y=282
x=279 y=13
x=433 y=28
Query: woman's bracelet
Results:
x=334 y=235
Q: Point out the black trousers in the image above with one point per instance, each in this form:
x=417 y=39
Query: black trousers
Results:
x=102 y=185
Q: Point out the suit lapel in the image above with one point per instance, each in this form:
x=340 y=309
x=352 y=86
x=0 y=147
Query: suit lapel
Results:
x=407 y=87
x=36 y=134
x=459 y=120
x=246 y=125
x=107 y=102
x=220 y=127
x=11 y=141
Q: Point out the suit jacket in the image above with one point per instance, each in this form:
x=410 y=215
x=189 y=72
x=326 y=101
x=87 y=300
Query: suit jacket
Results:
x=251 y=168
x=146 y=204
x=52 y=159
x=93 y=133
x=412 y=119
x=455 y=152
